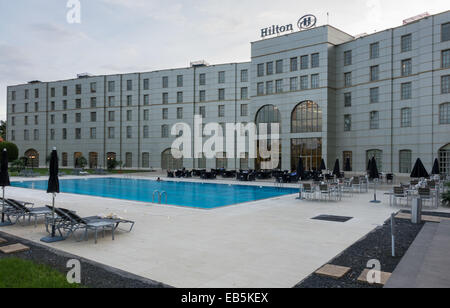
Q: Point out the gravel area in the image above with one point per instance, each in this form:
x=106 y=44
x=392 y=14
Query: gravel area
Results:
x=93 y=275
x=376 y=245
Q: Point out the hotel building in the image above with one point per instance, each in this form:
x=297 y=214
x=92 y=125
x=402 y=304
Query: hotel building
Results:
x=385 y=94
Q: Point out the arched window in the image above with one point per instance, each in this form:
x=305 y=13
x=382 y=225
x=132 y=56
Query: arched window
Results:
x=268 y=114
x=444 y=159
x=32 y=158
x=378 y=154
x=170 y=162
x=405 y=165
x=306 y=118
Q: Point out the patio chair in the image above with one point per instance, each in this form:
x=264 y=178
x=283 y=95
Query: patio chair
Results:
x=17 y=210
x=70 y=222
x=425 y=195
x=399 y=194
x=390 y=178
x=325 y=191
x=308 y=192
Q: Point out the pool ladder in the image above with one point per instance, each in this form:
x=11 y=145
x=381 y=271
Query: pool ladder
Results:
x=160 y=195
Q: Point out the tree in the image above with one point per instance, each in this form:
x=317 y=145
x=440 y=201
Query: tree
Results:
x=81 y=162
x=112 y=164
x=3 y=127
x=13 y=150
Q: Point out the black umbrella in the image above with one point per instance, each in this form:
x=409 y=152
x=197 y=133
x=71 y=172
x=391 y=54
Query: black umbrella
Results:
x=337 y=169
x=348 y=166
x=436 y=168
x=300 y=169
x=4 y=179
x=322 y=165
x=53 y=188
x=419 y=170
x=373 y=172
x=369 y=164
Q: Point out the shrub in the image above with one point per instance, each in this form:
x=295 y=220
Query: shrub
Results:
x=13 y=150
x=446 y=197
x=18 y=165
x=112 y=164
x=81 y=162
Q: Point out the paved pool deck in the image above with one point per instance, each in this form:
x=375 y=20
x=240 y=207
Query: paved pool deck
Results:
x=264 y=244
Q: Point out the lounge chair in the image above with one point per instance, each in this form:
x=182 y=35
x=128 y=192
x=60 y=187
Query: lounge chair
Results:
x=17 y=210
x=69 y=222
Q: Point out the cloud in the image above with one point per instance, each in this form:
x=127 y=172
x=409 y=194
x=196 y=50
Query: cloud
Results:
x=57 y=33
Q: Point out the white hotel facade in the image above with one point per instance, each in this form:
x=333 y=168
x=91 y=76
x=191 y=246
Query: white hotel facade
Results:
x=336 y=96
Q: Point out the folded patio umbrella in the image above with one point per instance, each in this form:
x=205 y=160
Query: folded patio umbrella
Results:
x=373 y=172
x=300 y=169
x=419 y=170
x=337 y=168
x=4 y=179
x=436 y=168
x=322 y=165
x=369 y=164
x=348 y=166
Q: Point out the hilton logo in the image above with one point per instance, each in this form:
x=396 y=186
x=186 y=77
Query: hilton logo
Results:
x=306 y=22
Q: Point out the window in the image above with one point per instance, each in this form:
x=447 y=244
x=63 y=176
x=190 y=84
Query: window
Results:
x=146 y=100
x=78 y=118
x=78 y=103
x=406 y=117
x=93 y=102
x=27 y=94
x=348 y=156
x=294 y=64
x=179 y=97
x=375 y=50
x=221 y=94
x=244 y=110
x=52 y=134
x=406 y=89
x=36 y=134
x=64 y=105
x=180 y=81
x=93 y=116
x=93 y=87
x=78 y=133
x=348 y=99
x=348 y=58
x=374 y=95
x=374 y=73
x=165 y=82
x=269 y=87
x=52 y=119
x=146 y=84
x=347 y=122
x=111 y=116
x=146 y=132
x=315 y=81
x=13 y=135
x=13 y=121
x=202 y=111
x=445 y=84
x=165 y=98
x=179 y=113
x=26 y=107
x=111 y=101
x=36 y=93
x=93 y=133
x=202 y=95
x=348 y=79
x=374 y=120
x=304 y=82
x=445 y=59
x=244 y=93
x=260 y=70
x=269 y=68
x=406 y=67
x=64 y=159
x=78 y=89
x=145 y=160
x=260 y=88
x=64 y=118
x=293 y=84
x=165 y=131
x=279 y=67
x=129 y=132
x=221 y=111
x=111 y=86
x=13 y=95
x=279 y=86
x=304 y=62
x=405 y=160
x=129 y=100
x=244 y=75
x=146 y=115
x=111 y=133
x=128 y=160
x=52 y=92
x=129 y=85
x=444 y=113
x=378 y=155
x=406 y=43
x=445 y=32
x=26 y=135
x=315 y=60
x=307 y=118
x=165 y=114
x=129 y=115
x=202 y=79
x=222 y=77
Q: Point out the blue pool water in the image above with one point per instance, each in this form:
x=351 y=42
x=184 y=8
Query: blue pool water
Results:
x=198 y=195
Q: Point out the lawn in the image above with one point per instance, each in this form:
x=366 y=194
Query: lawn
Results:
x=17 y=273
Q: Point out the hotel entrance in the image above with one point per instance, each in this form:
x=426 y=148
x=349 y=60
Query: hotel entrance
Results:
x=309 y=149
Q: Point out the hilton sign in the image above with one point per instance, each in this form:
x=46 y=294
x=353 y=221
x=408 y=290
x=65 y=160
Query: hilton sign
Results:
x=306 y=22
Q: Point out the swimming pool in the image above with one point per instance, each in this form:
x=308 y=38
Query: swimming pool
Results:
x=187 y=194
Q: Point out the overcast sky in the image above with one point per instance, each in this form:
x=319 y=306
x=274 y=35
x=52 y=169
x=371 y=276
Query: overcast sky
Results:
x=120 y=36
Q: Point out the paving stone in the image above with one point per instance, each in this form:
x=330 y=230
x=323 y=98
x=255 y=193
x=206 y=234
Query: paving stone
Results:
x=333 y=271
x=2 y=240
x=15 y=248
x=384 y=277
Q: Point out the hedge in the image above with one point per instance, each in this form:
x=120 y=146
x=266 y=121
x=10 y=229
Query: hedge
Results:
x=13 y=150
